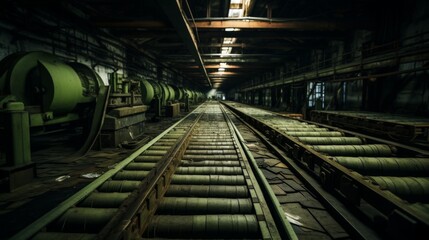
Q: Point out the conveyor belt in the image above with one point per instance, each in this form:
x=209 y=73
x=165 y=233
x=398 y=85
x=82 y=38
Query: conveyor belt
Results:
x=406 y=129
x=363 y=171
x=192 y=181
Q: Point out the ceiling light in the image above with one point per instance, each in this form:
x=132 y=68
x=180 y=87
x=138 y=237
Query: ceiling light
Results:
x=221 y=69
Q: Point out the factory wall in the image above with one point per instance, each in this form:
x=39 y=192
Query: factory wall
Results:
x=65 y=33
x=397 y=26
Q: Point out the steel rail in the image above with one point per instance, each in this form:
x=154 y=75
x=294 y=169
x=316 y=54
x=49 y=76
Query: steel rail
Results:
x=50 y=216
x=342 y=214
x=284 y=226
x=395 y=213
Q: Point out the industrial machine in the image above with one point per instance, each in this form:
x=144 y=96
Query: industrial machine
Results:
x=43 y=97
x=41 y=94
x=164 y=95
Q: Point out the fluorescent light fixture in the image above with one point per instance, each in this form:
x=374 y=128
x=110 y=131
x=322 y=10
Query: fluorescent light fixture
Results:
x=236 y=13
x=221 y=69
x=222 y=65
x=232 y=29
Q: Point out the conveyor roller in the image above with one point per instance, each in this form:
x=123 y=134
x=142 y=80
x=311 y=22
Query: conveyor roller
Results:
x=331 y=140
x=198 y=226
x=237 y=191
x=386 y=166
x=193 y=205
x=374 y=150
x=406 y=187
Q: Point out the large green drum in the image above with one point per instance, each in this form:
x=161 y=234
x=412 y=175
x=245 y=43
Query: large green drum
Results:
x=147 y=91
x=38 y=78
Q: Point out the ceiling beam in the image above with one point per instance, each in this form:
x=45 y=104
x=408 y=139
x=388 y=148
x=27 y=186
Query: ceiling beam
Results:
x=241 y=23
x=226 y=60
x=258 y=23
x=146 y=24
x=215 y=66
x=207 y=35
x=228 y=55
x=271 y=34
x=235 y=45
x=175 y=13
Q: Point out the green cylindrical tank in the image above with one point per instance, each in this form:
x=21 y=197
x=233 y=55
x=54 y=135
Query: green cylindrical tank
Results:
x=200 y=96
x=41 y=79
x=178 y=92
x=187 y=91
x=165 y=93
x=172 y=92
x=147 y=91
x=193 y=95
x=156 y=88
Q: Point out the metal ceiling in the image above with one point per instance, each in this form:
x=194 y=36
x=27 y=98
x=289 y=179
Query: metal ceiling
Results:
x=221 y=43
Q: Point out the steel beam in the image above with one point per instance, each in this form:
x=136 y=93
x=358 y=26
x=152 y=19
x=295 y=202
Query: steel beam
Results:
x=146 y=24
x=175 y=13
x=222 y=23
x=251 y=23
x=215 y=66
x=283 y=47
x=228 y=55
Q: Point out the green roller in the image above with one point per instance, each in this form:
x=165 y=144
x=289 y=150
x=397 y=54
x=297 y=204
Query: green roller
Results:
x=64 y=236
x=193 y=205
x=165 y=92
x=156 y=88
x=316 y=129
x=211 y=157
x=331 y=140
x=369 y=150
x=190 y=94
x=130 y=175
x=209 y=179
x=240 y=191
x=194 y=95
x=210 y=152
x=38 y=78
x=155 y=152
x=148 y=158
x=183 y=92
x=160 y=147
x=215 y=147
x=119 y=186
x=104 y=200
x=172 y=93
x=212 y=142
x=415 y=188
x=316 y=134
x=283 y=126
x=210 y=170
x=421 y=207
x=386 y=166
x=140 y=166
x=201 y=226
x=85 y=220
x=178 y=93
x=147 y=91
x=200 y=96
x=210 y=163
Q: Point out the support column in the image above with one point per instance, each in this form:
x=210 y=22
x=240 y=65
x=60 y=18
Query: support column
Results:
x=15 y=150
